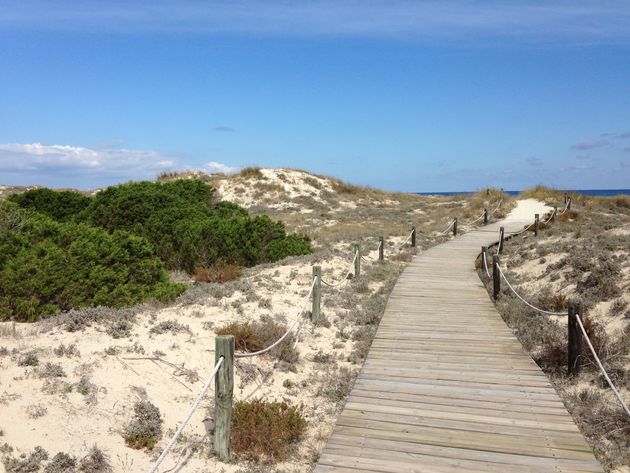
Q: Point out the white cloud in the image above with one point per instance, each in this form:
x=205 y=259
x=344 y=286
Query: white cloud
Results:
x=214 y=167
x=75 y=166
x=18 y=157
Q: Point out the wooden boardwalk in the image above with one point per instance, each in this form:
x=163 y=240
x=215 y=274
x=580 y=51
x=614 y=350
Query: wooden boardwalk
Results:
x=447 y=387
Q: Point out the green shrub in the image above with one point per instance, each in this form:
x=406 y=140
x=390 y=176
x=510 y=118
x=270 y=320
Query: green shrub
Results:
x=47 y=266
x=265 y=431
x=59 y=205
x=145 y=429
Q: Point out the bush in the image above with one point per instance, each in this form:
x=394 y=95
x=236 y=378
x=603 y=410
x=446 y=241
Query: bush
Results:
x=48 y=266
x=26 y=463
x=59 y=205
x=219 y=272
x=96 y=461
x=61 y=463
x=254 y=336
x=265 y=431
x=145 y=429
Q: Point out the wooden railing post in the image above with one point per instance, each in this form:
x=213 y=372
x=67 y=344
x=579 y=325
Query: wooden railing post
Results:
x=536 y=223
x=413 y=236
x=485 y=216
x=317 y=294
x=575 y=338
x=554 y=214
x=357 y=260
x=455 y=227
x=569 y=202
x=496 y=277
x=381 y=248
x=223 y=394
x=501 y=238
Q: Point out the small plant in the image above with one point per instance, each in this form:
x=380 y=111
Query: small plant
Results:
x=67 y=351
x=265 y=431
x=112 y=350
x=145 y=429
x=337 y=383
x=96 y=461
x=26 y=463
x=28 y=359
x=171 y=326
x=254 y=336
x=251 y=172
x=51 y=370
x=220 y=272
x=35 y=411
x=61 y=463
x=119 y=329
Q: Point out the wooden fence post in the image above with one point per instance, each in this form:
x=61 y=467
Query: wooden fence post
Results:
x=569 y=201
x=357 y=260
x=575 y=338
x=455 y=227
x=553 y=215
x=381 y=248
x=496 y=277
x=485 y=216
x=317 y=294
x=413 y=236
x=501 y=238
x=536 y=223
x=223 y=394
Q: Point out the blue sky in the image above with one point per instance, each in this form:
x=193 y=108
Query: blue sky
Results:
x=411 y=96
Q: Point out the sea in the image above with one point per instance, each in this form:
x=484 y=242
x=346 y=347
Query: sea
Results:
x=589 y=192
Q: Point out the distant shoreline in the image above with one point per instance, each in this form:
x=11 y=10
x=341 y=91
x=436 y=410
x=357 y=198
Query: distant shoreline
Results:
x=589 y=192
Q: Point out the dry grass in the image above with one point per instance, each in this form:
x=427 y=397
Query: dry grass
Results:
x=264 y=431
x=251 y=172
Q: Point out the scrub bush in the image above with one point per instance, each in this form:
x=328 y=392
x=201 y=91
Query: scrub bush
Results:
x=265 y=431
x=48 y=266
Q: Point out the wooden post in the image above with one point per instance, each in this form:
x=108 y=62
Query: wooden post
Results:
x=413 y=236
x=569 y=201
x=381 y=248
x=575 y=338
x=496 y=277
x=566 y=197
x=317 y=294
x=223 y=394
x=554 y=214
x=501 y=238
x=536 y=223
x=357 y=260
x=485 y=216
x=455 y=227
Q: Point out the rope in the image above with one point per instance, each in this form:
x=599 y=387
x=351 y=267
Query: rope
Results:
x=553 y=212
x=523 y=230
x=601 y=367
x=496 y=208
x=193 y=408
x=274 y=344
x=476 y=220
x=364 y=258
x=485 y=264
x=566 y=206
x=448 y=228
x=405 y=242
x=344 y=280
x=524 y=301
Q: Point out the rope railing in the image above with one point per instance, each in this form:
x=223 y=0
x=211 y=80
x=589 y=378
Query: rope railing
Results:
x=298 y=319
x=601 y=367
x=400 y=247
x=448 y=228
x=485 y=263
x=344 y=280
x=497 y=207
x=542 y=311
x=580 y=324
x=192 y=410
